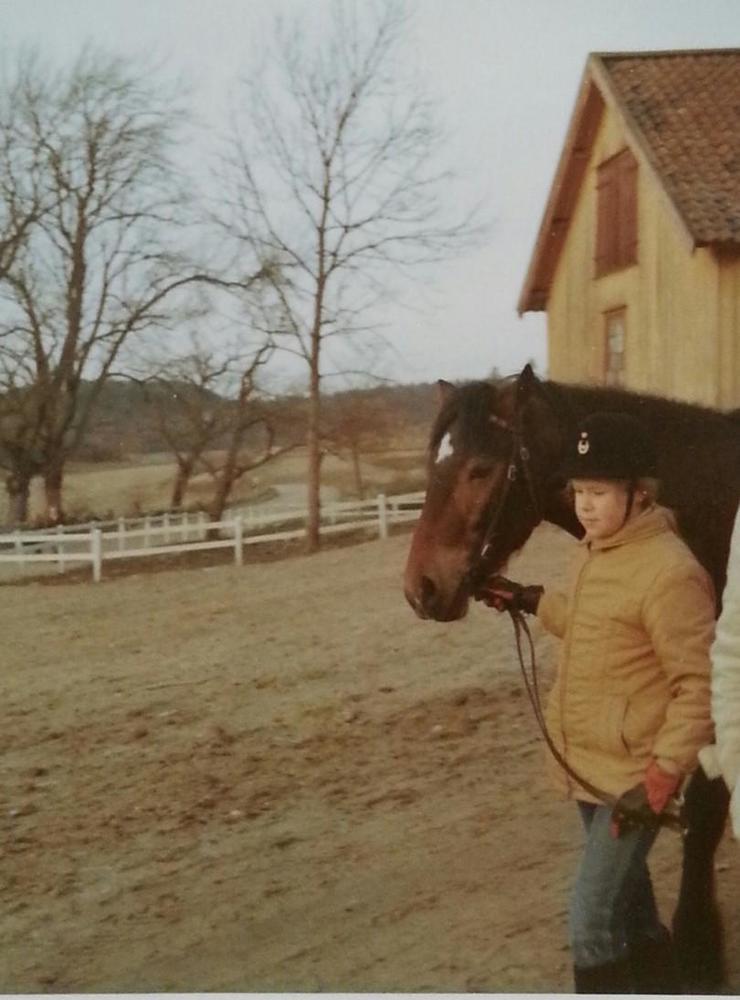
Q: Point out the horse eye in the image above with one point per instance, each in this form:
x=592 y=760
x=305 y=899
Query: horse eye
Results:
x=480 y=471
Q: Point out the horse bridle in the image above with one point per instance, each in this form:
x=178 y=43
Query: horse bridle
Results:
x=519 y=459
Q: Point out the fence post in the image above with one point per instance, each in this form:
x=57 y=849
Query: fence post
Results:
x=202 y=524
x=60 y=548
x=238 y=536
x=18 y=542
x=147 y=526
x=166 y=526
x=382 y=516
x=121 y=534
x=96 y=547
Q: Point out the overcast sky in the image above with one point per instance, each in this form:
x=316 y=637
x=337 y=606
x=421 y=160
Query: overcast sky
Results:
x=505 y=74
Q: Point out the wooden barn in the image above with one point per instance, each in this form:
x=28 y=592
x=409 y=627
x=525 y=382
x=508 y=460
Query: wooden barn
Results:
x=637 y=261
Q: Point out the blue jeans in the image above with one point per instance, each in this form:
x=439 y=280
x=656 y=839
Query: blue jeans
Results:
x=612 y=903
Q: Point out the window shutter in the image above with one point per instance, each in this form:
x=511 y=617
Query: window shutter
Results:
x=628 y=208
x=605 y=196
x=616 y=213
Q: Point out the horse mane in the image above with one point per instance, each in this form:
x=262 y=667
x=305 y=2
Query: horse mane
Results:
x=675 y=415
x=472 y=402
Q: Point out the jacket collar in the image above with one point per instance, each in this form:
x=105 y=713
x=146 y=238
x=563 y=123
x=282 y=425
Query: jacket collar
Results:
x=652 y=521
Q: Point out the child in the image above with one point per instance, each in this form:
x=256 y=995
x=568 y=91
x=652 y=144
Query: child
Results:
x=630 y=707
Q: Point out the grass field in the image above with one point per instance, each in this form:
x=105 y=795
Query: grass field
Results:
x=144 y=486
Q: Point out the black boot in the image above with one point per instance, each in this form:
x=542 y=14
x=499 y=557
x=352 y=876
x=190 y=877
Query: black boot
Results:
x=653 y=964
x=613 y=977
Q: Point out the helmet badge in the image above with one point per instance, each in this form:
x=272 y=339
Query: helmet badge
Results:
x=584 y=444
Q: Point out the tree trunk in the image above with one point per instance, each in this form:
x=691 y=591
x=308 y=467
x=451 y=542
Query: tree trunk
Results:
x=225 y=479
x=220 y=496
x=357 y=470
x=182 y=478
x=53 y=481
x=19 y=490
x=313 y=444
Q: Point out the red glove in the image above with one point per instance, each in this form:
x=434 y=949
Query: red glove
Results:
x=641 y=805
x=660 y=786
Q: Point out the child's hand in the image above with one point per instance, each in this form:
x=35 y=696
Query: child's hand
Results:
x=641 y=805
x=505 y=595
x=660 y=786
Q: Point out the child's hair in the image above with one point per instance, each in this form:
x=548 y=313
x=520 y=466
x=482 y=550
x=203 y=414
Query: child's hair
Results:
x=647 y=489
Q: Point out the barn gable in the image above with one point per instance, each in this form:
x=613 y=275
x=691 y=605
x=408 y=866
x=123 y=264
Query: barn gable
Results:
x=681 y=115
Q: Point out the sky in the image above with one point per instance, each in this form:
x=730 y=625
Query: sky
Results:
x=504 y=75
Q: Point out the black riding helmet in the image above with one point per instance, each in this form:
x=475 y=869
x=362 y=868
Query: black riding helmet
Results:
x=610 y=446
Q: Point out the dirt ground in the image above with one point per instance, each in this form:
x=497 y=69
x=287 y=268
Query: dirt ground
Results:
x=277 y=779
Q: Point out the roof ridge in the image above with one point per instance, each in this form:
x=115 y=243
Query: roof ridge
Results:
x=660 y=53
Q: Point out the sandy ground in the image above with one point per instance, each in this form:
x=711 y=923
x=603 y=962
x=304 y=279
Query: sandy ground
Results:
x=276 y=778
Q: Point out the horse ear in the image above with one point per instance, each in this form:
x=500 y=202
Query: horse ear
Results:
x=445 y=390
x=526 y=382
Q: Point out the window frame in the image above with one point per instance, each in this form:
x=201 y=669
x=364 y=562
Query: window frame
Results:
x=619 y=382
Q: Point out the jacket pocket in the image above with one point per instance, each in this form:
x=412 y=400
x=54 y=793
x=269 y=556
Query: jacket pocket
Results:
x=641 y=723
x=610 y=734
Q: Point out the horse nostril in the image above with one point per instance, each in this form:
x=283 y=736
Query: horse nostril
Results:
x=428 y=590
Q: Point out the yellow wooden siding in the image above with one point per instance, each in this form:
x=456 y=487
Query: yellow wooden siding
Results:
x=729 y=332
x=683 y=307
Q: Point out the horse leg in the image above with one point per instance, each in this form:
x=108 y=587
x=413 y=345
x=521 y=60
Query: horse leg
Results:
x=697 y=926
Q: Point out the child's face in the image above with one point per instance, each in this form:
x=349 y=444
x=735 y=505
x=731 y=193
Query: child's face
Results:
x=601 y=505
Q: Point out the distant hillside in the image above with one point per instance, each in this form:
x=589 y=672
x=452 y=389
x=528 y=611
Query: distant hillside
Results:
x=124 y=423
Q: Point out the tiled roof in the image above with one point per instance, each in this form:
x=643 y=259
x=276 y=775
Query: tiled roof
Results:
x=687 y=107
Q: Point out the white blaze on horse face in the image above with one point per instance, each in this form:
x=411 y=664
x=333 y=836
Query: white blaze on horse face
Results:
x=445 y=449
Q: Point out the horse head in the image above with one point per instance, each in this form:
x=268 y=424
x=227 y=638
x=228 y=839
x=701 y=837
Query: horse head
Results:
x=492 y=453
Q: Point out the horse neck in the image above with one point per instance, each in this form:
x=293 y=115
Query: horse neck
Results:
x=701 y=466
x=559 y=511
x=556 y=506
x=570 y=403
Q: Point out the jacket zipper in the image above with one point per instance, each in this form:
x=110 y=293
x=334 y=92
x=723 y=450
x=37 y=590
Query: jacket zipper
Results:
x=566 y=660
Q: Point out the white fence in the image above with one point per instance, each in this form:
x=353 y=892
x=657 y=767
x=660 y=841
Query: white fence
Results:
x=163 y=534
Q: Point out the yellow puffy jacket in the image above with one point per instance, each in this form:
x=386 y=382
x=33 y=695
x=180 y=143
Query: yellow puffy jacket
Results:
x=633 y=678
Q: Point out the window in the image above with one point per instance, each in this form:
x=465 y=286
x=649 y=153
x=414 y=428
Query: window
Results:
x=615 y=330
x=616 y=216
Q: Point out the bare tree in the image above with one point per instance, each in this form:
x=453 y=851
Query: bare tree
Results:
x=23 y=199
x=354 y=422
x=182 y=395
x=250 y=435
x=214 y=415
x=97 y=264
x=332 y=174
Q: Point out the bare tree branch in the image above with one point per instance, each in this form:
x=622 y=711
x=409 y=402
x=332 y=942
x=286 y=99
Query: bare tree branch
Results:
x=92 y=217
x=333 y=171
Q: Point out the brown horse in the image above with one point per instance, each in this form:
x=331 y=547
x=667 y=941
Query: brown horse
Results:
x=493 y=461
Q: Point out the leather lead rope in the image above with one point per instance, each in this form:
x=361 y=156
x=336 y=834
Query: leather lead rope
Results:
x=672 y=819
x=531 y=684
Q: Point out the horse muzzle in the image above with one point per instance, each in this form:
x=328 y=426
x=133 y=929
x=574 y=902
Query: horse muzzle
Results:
x=431 y=602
